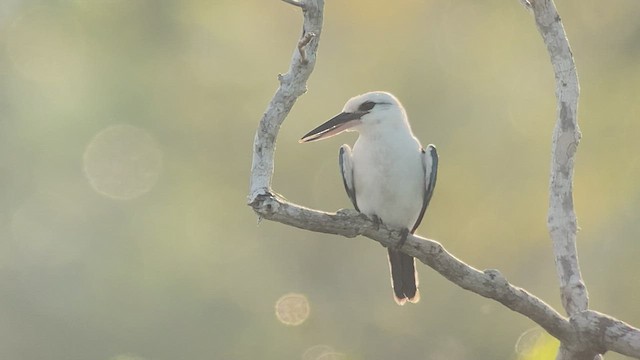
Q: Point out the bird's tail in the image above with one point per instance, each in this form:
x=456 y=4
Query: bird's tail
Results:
x=404 y=278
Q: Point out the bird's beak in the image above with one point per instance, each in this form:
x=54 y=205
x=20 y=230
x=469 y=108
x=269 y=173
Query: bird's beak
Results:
x=336 y=125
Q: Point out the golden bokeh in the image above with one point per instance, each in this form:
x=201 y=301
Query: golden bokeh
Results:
x=292 y=309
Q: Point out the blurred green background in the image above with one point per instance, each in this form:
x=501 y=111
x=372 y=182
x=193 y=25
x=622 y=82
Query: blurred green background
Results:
x=126 y=130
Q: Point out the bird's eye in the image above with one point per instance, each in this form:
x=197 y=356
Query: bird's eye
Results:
x=366 y=106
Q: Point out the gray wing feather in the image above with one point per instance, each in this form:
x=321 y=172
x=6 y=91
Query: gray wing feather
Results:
x=346 y=169
x=430 y=165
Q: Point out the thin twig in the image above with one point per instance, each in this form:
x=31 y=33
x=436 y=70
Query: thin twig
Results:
x=526 y=4
x=295 y=3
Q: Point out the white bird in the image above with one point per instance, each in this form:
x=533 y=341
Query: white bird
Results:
x=388 y=175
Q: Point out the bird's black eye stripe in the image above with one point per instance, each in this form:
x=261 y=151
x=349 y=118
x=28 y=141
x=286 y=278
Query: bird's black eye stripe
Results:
x=366 y=106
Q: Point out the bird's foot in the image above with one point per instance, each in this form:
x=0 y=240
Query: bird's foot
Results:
x=376 y=221
x=403 y=238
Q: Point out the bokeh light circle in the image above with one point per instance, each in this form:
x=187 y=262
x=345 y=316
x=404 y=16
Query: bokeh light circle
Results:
x=332 y=356
x=526 y=343
x=316 y=351
x=292 y=309
x=322 y=352
x=122 y=162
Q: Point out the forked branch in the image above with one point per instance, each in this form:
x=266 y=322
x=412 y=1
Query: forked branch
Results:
x=583 y=335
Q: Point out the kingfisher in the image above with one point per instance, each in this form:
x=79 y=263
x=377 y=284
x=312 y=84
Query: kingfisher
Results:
x=388 y=175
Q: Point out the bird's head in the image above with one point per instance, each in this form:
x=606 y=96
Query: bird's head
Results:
x=376 y=109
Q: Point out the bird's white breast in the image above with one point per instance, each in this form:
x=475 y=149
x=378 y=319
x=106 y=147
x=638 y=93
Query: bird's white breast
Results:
x=389 y=178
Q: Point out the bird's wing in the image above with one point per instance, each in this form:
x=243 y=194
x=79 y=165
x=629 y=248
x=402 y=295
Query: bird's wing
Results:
x=430 y=165
x=346 y=169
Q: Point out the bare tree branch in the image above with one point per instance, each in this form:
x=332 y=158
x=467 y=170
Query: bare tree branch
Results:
x=615 y=335
x=566 y=135
x=587 y=330
x=292 y=85
x=562 y=221
x=488 y=283
x=586 y=333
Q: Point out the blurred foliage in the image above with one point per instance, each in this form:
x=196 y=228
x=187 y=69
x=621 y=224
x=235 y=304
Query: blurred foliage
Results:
x=117 y=248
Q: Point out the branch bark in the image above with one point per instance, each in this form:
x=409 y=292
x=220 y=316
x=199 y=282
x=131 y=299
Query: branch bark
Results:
x=566 y=136
x=583 y=335
x=488 y=283
x=292 y=85
x=561 y=222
